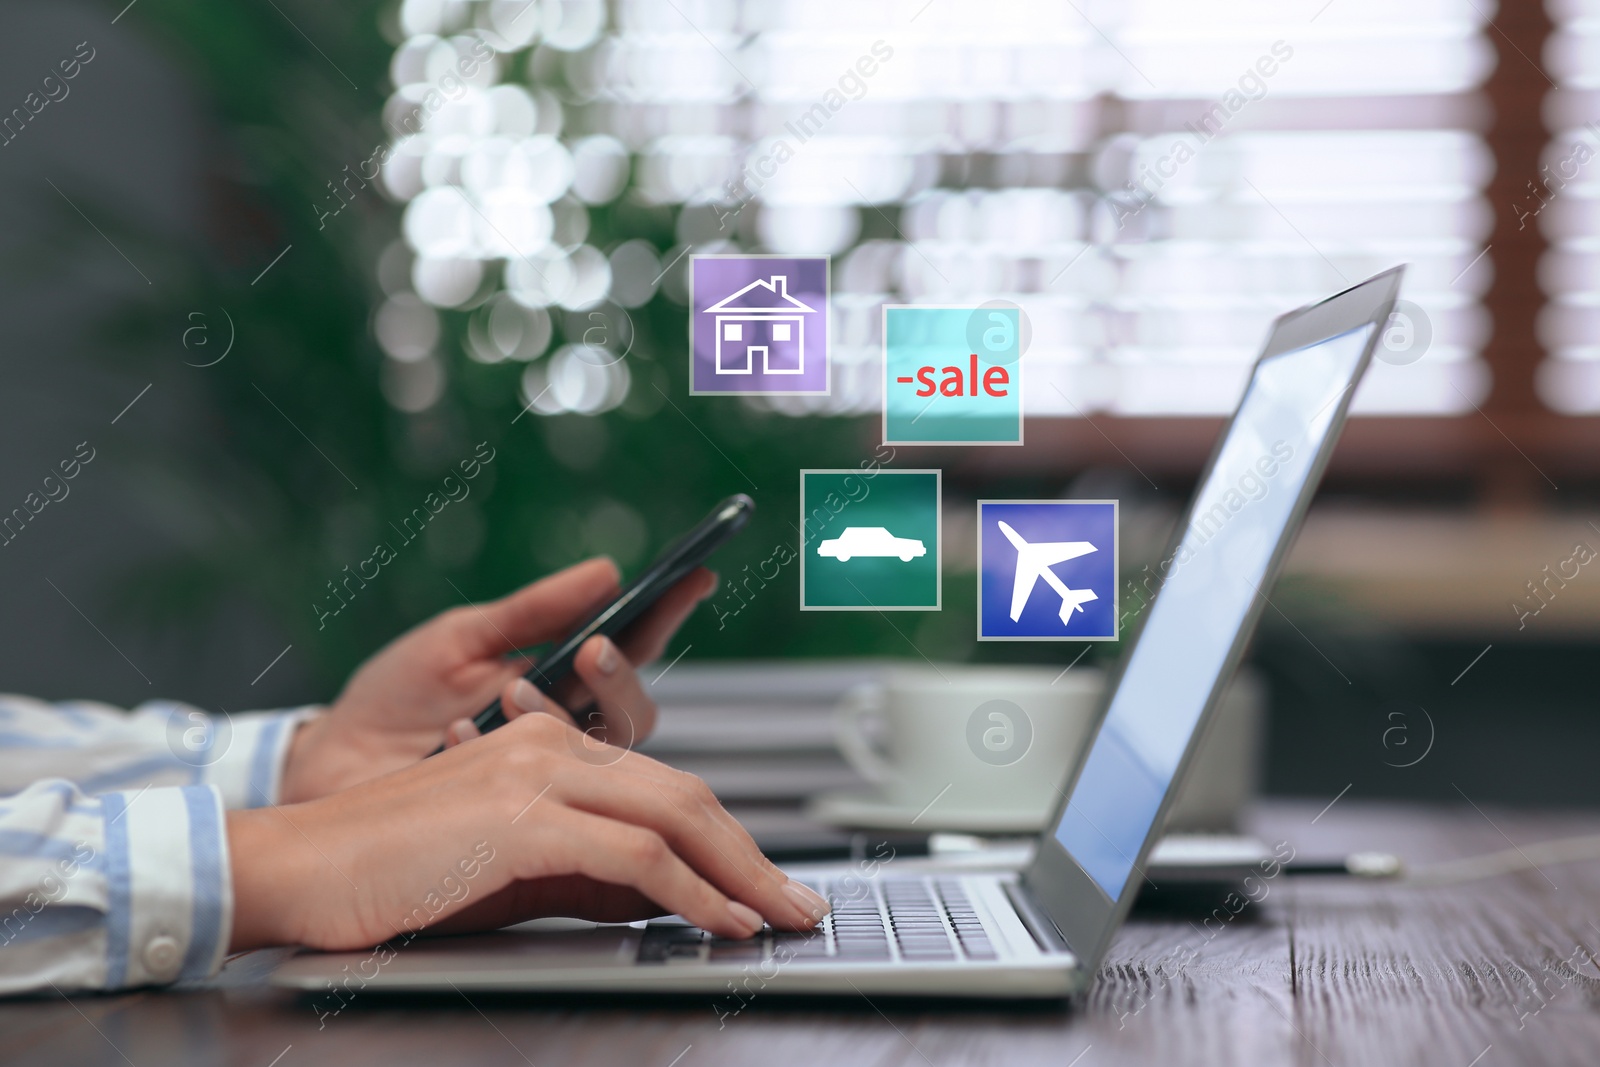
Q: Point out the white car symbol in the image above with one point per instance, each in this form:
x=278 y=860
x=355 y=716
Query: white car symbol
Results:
x=871 y=541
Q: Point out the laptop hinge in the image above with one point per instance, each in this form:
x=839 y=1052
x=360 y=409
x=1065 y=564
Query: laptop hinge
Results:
x=1043 y=930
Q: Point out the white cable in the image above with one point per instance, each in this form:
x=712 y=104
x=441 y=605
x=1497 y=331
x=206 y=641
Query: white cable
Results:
x=1506 y=861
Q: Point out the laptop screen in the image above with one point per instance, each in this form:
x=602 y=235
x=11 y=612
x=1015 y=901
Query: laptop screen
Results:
x=1202 y=594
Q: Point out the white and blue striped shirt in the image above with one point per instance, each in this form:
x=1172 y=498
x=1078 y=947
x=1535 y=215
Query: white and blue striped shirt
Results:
x=113 y=848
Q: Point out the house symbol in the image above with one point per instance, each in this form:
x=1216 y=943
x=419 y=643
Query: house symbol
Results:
x=767 y=325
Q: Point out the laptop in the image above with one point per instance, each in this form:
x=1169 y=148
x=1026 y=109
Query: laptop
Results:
x=915 y=928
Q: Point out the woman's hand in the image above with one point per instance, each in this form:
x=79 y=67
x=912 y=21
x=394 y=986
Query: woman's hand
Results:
x=396 y=708
x=531 y=820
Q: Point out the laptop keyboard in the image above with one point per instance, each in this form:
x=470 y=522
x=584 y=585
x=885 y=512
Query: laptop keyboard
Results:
x=916 y=920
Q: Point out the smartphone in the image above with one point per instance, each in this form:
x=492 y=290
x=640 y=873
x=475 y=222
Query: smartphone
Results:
x=683 y=556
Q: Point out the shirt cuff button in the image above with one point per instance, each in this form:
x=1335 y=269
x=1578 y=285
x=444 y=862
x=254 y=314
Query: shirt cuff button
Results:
x=161 y=958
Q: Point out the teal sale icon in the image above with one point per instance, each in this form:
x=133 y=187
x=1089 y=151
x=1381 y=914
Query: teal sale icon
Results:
x=952 y=375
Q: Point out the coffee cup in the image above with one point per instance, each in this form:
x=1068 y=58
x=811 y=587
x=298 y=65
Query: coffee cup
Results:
x=976 y=748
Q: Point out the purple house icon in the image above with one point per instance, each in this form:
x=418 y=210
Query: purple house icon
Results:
x=760 y=322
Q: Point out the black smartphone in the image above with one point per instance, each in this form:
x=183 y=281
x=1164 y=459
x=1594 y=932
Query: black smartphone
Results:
x=683 y=556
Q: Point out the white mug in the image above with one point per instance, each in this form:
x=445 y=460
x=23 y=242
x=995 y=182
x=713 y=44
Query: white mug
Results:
x=968 y=739
x=970 y=743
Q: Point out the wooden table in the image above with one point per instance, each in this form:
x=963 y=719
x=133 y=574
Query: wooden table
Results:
x=1320 y=972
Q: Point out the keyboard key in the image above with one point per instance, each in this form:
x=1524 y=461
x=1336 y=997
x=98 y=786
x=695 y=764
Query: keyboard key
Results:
x=800 y=950
x=664 y=942
x=928 y=955
x=737 y=951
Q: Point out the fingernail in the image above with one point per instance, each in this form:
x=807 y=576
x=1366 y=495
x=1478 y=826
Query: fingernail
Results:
x=807 y=900
x=746 y=917
x=464 y=729
x=526 y=697
x=609 y=657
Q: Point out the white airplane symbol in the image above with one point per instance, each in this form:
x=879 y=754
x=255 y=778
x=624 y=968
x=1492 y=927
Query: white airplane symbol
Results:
x=1034 y=562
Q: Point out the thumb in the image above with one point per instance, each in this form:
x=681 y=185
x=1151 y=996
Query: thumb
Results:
x=542 y=611
x=520 y=697
x=459 y=731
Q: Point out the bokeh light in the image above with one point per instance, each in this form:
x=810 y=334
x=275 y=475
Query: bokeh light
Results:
x=1152 y=180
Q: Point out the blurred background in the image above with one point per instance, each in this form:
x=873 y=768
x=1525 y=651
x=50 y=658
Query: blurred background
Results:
x=281 y=266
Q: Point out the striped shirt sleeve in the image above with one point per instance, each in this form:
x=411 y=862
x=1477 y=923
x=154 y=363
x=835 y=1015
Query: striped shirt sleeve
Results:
x=103 y=749
x=113 y=847
x=112 y=891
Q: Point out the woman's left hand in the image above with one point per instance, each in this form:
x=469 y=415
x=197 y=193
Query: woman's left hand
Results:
x=424 y=687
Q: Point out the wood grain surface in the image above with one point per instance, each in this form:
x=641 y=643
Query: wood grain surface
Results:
x=1318 y=971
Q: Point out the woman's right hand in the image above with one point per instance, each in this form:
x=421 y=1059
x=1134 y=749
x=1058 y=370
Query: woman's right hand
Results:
x=533 y=819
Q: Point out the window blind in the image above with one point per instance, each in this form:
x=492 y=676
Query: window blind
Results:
x=1151 y=181
x=1564 y=200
